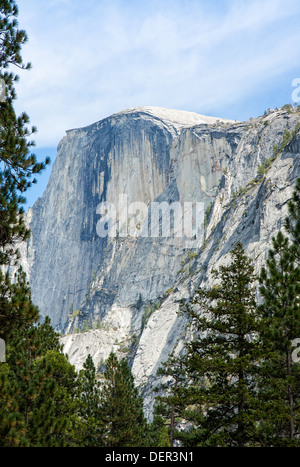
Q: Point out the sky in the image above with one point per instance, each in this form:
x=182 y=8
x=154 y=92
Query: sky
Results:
x=225 y=58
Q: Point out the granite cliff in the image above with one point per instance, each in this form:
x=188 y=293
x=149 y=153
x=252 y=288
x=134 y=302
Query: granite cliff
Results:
x=123 y=292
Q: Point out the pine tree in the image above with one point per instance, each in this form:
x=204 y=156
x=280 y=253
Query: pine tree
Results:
x=280 y=289
x=16 y=308
x=122 y=420
x=90 y=404
x=223 y=359
x=158 y=433
x=39 y=389
x=17 y=164
x=169 y=403
x=12 y=426
x=292 y=223
x=55 y=420
x=24 y=343
x=37 y=383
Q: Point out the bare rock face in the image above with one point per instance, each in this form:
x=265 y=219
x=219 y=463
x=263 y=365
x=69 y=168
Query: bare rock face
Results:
x=123 y=292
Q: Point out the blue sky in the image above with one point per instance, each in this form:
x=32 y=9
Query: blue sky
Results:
x=225 y=58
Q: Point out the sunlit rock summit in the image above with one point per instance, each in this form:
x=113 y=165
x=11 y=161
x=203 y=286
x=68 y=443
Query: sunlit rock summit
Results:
x=122 y=293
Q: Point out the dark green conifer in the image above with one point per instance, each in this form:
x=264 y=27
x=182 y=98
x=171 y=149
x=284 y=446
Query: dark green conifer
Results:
x=12 y=426
x=55 y=420
x=16 y=308
x=90 y=404
x=280 y=289
x=222 y=361
x=169 y=404
x=31 y=385
x=17 y=164
x=122 y=418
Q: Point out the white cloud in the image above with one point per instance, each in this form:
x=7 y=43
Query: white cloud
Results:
x=92 y=61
